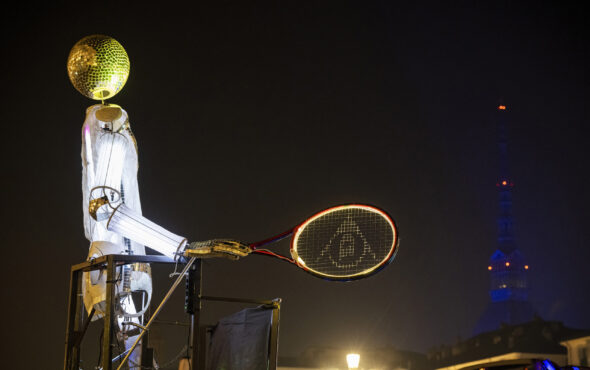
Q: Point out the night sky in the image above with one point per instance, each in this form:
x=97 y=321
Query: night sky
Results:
x=250 y=118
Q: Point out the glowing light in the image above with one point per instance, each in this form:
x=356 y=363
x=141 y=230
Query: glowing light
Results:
x=504 y=182
x=526 y=267
x=353 y=359
x=113 y=149
x=377 y=213
x=89 y=159
x=184 y=364
x=490 y=268
x=126 y=222
x=501 y=107
x=98 y=67
x=548 y=365
x=507 y=264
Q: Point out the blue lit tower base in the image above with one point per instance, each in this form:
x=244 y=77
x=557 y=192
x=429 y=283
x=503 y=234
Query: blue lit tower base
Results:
x=508 y=269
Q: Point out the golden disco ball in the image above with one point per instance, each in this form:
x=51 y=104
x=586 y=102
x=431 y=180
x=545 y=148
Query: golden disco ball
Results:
x=98 y=67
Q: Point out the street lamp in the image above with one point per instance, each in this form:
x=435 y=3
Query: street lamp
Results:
x=353 y=359
x=184 y=364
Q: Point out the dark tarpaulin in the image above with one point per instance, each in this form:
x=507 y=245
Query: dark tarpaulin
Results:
x=241 y=341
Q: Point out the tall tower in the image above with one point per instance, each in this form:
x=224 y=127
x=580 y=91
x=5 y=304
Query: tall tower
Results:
x=507 y=267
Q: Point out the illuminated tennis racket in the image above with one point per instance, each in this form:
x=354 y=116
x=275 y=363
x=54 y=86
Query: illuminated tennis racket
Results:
x=342 y=243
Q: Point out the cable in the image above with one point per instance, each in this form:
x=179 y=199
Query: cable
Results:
x=100 y=347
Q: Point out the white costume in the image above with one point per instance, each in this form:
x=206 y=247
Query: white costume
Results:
x=113 y=221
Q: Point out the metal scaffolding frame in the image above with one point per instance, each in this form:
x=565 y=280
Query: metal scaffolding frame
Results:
x=78 y=321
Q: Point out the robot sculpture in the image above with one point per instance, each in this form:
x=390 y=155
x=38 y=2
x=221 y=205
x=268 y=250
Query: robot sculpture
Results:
x=342 y=243
x=98 y=68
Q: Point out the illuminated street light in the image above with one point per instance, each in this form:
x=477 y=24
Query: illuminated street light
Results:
x=184 y=364
x=353 y=359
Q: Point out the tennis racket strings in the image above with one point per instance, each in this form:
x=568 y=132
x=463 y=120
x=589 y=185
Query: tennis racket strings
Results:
x=345 y=242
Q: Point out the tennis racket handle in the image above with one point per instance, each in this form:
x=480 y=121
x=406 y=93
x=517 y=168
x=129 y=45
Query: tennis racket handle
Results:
x=218 y=248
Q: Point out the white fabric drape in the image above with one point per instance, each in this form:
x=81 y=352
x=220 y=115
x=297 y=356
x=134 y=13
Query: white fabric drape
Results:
x=109 y=161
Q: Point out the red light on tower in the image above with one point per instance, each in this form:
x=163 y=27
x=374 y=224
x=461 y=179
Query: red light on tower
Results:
x=501 y=107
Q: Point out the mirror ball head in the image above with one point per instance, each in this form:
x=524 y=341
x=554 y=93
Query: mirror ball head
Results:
x=98 y=67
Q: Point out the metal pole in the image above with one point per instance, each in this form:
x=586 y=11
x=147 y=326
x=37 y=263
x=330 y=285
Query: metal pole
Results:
x=193 y=307
x=71 y=359
x=202 y=357
x=274 y=334
x=178 y=280
x=109 y=315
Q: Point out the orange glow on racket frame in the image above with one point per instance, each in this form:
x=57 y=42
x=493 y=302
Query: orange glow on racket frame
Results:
x=388 y=258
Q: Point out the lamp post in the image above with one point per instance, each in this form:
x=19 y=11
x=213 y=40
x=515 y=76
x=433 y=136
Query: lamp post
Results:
x=353 y=359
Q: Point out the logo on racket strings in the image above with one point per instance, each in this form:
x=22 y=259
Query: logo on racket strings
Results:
x=348 y=247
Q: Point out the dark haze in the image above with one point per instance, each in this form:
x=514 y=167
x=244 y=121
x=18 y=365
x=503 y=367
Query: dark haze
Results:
x=250 y=118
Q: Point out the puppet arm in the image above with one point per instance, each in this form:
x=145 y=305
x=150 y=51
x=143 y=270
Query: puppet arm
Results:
x=126 y=222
